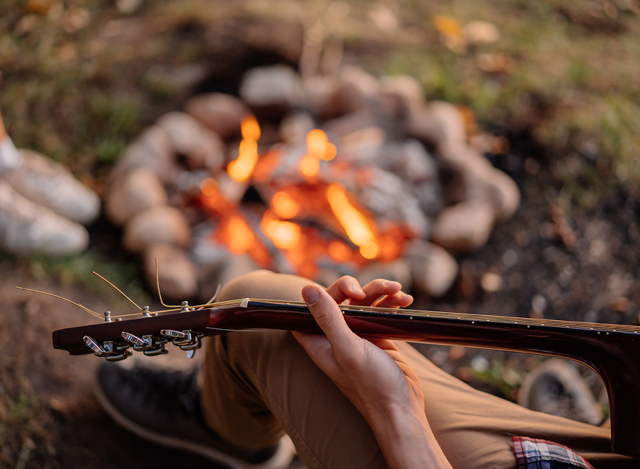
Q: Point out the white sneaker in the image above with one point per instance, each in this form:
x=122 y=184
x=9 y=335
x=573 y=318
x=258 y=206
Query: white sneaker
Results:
x=47 y=183
x=27 y=228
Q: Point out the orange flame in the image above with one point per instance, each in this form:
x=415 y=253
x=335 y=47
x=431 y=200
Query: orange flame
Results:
x=318 y=147
x=353 y=221
x=309 y=166
x=339 y=251
x=236 y=233
x=241 y=169
x=284 y=234
x=284 y=205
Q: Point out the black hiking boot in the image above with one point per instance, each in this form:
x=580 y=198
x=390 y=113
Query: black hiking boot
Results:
x=164 y=407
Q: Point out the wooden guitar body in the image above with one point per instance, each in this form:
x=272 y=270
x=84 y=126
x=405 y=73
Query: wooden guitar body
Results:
x=611 y=350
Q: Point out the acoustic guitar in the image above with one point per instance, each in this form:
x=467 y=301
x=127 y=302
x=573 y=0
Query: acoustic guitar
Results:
x=612 y=351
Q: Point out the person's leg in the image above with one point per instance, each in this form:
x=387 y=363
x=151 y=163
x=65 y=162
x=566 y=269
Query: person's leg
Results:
x=474 y=428
x=257 y=385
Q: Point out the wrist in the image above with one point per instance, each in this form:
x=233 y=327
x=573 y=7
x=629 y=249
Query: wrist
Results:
x=405 y=437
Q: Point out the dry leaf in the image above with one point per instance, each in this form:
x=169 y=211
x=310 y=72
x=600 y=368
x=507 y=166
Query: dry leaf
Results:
x=496 y=64
x=451 y=33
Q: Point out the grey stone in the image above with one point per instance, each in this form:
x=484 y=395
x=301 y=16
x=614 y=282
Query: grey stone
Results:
x=220 y=112
x=150 y=150
x=464 y=227
x=176 y=272
x=350 y=123
x=276 y=86
x=433 y=269
x=201 y=147
x=137 y=191
x=362 y=146
x=555 y=387
x=349 y=92
x=295 y=127
x=482 y=181
x=405 y=87
x=164 y=224
x=411 y=161
x=435 y=123
x=318 y=96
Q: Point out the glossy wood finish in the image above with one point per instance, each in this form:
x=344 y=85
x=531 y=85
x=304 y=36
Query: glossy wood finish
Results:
x=611 y=353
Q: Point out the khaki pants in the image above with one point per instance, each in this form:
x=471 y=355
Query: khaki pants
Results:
x=257 y=385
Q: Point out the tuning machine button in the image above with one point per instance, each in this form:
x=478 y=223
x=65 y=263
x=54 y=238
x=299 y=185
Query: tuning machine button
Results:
x=135 y=340
x=171 y=334
x=94 y=346
x=187 y=340
x=112 y=351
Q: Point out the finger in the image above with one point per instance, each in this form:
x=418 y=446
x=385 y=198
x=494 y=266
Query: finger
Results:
x=345 y=288
x=375 y=290
x=399 y=300
x=328 y=316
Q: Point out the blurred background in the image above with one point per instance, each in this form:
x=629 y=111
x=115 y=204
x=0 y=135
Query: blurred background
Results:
x=485 y=154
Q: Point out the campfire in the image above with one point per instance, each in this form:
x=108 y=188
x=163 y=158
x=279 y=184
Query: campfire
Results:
x=309 y=218
x=320 y=178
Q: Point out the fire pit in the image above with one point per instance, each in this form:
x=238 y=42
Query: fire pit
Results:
x=321 y=177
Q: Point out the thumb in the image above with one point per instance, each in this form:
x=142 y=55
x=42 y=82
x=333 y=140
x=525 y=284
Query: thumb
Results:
x=328 y=315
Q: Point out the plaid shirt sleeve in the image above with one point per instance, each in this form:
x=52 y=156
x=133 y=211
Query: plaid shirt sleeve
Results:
x=543 y=454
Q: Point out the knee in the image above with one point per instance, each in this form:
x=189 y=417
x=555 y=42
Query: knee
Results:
x=241 y=287
x=264 y=284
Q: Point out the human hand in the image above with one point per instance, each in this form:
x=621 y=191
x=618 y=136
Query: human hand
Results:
x=372 y=373
x=353 y=363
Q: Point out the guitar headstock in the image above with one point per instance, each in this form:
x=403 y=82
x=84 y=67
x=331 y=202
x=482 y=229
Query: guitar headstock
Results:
x=116 y=340
x=148 y=332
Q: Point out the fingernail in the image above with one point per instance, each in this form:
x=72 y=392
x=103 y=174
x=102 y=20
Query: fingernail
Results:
x=310 y=295
x=357 y=289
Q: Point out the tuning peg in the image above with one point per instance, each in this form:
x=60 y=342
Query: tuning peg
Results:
x=174 y=334
x=191 y=353
x=135 y=340
x=94 y=346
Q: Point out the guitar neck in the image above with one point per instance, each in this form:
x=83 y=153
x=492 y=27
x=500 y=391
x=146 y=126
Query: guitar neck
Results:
x=611 y=350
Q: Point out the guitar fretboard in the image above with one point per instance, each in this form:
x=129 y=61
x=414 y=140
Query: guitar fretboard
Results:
x=472 y=318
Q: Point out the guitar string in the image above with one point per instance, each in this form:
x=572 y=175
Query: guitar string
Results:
x=93 y=313
x=119 y=291
x=448 y=315
x=477 y=317
x=238 y=330
x=404 y=312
